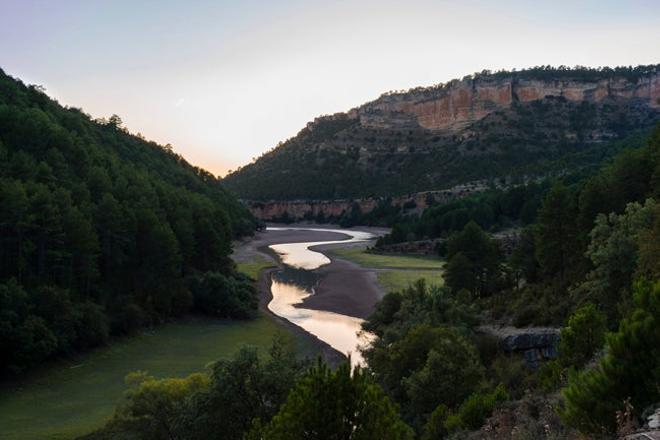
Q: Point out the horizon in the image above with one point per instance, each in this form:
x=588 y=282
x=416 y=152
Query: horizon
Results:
x=224 y=83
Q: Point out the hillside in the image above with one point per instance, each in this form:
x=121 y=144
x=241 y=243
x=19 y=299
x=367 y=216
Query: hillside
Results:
x=488 y=125
x=103 y=232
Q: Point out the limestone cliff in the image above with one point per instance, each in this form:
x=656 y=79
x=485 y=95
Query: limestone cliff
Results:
x=456 y=105
x=333 y=210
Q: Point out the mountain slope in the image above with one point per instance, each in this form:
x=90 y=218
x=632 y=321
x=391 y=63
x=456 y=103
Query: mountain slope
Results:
x=487 y=125
x=102 y=232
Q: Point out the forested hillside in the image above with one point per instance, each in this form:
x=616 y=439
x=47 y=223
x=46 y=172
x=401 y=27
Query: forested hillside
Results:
x=587 y=261
x=516 y=124
x=103 y=232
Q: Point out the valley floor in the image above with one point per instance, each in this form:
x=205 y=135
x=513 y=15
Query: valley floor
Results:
x=73 y=397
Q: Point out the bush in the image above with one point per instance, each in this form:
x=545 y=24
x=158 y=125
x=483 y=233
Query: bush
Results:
x=224 y=296
x=435 y=427
x=550 y=376
x=512 y=372
x=92 y=326
x=152 y=407
x=584 y=334
x=450 y=372
x=475 y=409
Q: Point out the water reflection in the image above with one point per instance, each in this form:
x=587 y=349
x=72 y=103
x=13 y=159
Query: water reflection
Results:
x=297 y=281
x=299 y=255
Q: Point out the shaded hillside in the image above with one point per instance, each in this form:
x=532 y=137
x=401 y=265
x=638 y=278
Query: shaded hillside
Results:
x=488 y=125
x=102 y=232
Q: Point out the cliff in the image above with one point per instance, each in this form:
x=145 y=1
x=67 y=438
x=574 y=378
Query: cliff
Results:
x=486 y=126
x=458 y=104
x=295 y=210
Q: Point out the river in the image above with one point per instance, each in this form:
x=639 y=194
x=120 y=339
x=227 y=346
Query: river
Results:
x=294 y=283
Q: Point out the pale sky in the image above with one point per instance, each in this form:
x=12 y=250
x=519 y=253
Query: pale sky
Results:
x=225 y=81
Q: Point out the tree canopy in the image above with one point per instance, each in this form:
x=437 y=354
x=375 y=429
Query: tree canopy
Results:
x=102 y=232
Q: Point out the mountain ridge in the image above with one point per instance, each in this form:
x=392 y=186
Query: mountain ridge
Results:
x=485 y=125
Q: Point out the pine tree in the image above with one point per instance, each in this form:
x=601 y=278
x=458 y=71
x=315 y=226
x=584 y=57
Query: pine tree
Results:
x=557 y=241
x=335 y=405
x=629 y=370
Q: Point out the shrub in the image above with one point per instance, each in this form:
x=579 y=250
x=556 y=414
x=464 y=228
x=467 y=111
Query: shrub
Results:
x=224 y=296
x=450 y=372
x=584 y=334
x=435 y=426
x=630 y=369
x=550 y=376
x=512 y=372
x=475 y=409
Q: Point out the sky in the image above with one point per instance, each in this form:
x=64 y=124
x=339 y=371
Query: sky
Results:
x=223 y=82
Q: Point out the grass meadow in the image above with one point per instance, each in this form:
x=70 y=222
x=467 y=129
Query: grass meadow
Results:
x=360 y=256
x=395 y=272
x=394 y=280
x=68 y=398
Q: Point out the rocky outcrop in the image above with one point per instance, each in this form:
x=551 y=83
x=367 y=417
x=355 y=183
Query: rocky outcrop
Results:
x=456 y=105
x=650 y=430
x=295 y=210
x=535 y=343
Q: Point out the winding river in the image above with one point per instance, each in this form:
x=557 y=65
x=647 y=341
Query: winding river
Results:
x=291 y=285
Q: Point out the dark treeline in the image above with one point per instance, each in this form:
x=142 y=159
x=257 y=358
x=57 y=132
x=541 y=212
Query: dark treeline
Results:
x=580 y=73
x=491 y=210
x=102 y=232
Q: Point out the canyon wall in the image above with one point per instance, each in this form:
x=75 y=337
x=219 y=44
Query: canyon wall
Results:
x=277 y=210
x=457 y=104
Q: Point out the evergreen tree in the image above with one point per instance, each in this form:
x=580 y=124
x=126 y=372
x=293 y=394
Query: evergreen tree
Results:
x=340 y=404
x=629 y=369
x=460 y=274
x=582 y=336
x=474 y=261
x=557 y=241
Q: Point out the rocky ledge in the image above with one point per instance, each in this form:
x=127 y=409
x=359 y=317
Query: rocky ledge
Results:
x=535 y=343
x=457 y=104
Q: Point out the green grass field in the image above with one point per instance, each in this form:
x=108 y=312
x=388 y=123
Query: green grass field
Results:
x=394 y=280
x=73 y=398
x=397 y=271
x=254 y=267
x=365 y=259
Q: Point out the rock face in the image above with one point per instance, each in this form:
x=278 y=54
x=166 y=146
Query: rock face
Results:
x=458 y=104
x=515 y=125
x=295 y=210
x=535 y=343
